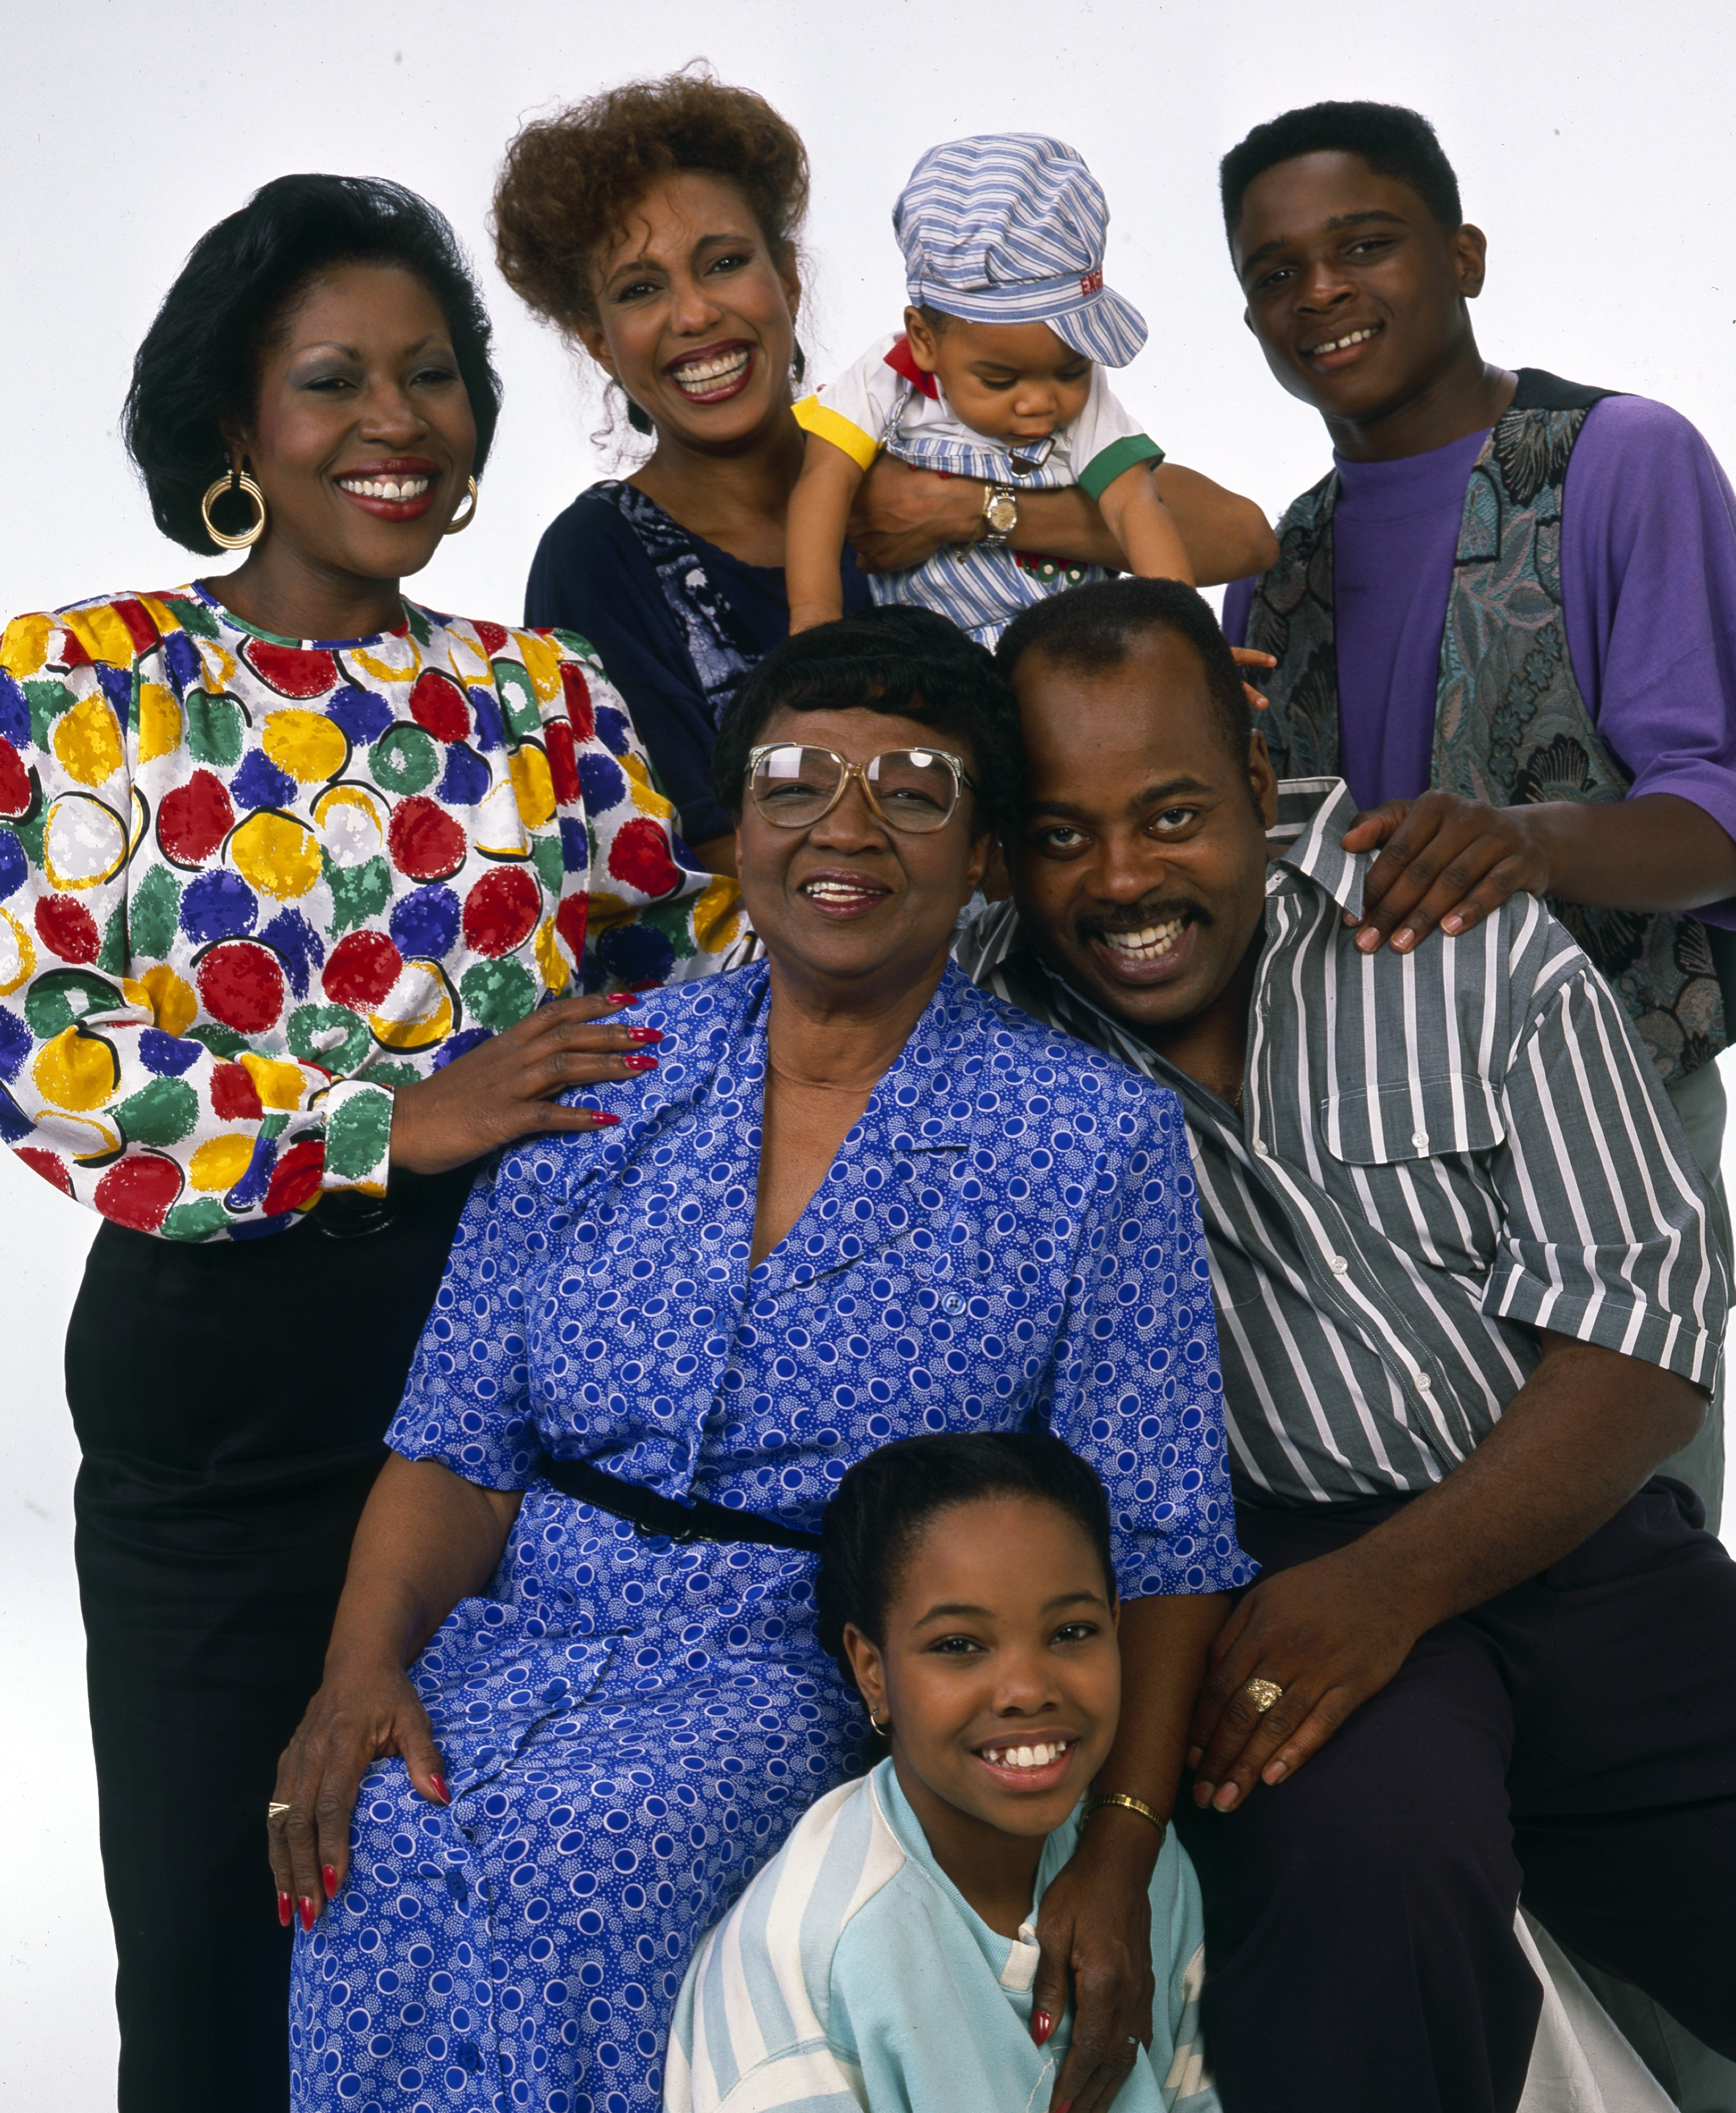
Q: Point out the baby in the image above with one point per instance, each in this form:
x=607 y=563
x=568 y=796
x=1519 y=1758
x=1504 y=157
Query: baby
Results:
x=998 y=375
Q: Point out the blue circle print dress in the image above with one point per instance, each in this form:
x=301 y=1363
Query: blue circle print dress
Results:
x=631 y=1725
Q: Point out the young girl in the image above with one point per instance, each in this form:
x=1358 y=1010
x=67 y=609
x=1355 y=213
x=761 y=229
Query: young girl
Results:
x=885 y=1957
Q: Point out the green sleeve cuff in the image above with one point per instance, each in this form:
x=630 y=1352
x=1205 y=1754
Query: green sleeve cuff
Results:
x=1101 y=470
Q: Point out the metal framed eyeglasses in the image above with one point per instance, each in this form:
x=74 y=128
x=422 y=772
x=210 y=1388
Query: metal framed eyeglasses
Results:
x=913 y=790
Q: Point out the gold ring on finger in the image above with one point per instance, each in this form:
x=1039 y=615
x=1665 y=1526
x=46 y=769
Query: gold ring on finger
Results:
x=275 y=1810
x=1262 y=1694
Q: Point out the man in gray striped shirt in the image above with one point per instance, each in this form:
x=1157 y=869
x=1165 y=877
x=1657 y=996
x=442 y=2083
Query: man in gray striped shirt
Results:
x=1468 y=1301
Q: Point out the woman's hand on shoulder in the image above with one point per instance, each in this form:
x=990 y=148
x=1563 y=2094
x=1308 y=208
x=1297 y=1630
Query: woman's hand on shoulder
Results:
x=503 y=1088
x=1094 y=1929
x=360 y=1714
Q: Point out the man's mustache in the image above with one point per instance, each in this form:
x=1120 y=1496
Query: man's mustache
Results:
x=1158 y=910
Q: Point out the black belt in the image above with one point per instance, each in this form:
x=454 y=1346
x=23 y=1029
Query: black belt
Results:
x=653 y=1515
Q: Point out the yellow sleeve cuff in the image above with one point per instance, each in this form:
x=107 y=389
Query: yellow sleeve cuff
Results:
x=814 y=416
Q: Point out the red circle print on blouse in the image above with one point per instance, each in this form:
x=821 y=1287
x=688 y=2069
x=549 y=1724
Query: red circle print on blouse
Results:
x=295 y=1180
x=425 y=842
x=292 y=671
x=501 y=911
x=360 y=970
x=15 y=790
x=137 y=1193
x=67 y=929
x=241 y=985
x=193 y=819
x=437 y=704
x=578 y=692
x=640 y=857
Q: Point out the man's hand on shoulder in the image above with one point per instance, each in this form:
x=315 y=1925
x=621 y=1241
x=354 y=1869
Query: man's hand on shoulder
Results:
x=1443 y=860
x=1452 y=862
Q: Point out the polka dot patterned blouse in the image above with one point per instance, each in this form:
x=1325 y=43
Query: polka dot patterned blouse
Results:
x=248 y=882
x=1009 y=1237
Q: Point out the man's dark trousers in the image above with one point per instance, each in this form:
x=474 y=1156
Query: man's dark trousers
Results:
x=1574 y=1741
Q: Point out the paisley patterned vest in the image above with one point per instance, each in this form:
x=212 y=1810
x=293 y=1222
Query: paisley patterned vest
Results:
x=1510 y=725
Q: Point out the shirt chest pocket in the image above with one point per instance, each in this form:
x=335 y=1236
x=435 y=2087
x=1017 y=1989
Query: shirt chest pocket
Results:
x=1400 y=1121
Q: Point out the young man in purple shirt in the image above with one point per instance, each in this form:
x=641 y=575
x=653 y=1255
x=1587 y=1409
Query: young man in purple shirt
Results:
x=1507 y=617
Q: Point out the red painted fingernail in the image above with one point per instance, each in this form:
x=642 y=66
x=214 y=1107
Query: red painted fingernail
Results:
x=639 y=1061
x=600 y=1121
x=309 y=1911
x=441 y=1792
x=1042 y=2024
x=622 y=998
x=328 y=1879
x=645 y=1034
x=285 y=1909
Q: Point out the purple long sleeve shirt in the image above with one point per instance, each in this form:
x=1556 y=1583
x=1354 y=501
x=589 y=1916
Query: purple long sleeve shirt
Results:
x=1648 y=593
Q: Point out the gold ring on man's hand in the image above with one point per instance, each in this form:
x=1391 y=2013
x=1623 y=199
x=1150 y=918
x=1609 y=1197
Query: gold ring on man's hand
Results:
x=1262 y=1694
x=274 y=1807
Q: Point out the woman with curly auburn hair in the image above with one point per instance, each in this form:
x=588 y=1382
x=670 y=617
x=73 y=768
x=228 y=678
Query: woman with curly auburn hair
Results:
x=288 y=867
x=658 y=225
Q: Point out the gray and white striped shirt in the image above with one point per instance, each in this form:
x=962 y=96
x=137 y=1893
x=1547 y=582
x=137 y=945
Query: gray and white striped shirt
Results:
x=1439 y=1152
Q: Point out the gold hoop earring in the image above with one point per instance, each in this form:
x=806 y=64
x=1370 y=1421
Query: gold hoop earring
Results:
x=455 y=526
x=884 y=1730
x=237 y=480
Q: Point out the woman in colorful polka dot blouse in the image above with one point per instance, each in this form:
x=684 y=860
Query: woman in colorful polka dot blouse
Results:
x=575 y=1696
x=288 y=867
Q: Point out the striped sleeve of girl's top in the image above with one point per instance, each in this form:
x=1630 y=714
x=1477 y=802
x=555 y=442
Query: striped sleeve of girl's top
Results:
x=751 y=2030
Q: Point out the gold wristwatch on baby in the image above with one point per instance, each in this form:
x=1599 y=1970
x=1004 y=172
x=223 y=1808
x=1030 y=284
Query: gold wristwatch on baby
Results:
x=1000 y=517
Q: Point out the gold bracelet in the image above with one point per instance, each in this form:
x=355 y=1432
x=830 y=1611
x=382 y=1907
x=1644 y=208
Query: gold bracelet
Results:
x=1133 y=1804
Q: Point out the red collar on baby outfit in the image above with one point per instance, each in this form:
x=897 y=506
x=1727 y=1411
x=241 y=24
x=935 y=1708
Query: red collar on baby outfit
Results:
x=903 y=361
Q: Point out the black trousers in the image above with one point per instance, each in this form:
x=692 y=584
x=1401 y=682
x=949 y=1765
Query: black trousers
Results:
x=230 y=1402
x=1572 y=1740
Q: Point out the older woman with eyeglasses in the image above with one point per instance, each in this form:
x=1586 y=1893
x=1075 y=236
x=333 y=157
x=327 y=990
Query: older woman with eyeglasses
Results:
x=575 y=1696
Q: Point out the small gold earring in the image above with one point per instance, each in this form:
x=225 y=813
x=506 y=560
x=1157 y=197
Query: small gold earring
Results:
x=236 y=479
x=459 y=523
x=884 y=1730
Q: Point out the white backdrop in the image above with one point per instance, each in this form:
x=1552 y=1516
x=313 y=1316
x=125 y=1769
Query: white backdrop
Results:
x=1593 y=145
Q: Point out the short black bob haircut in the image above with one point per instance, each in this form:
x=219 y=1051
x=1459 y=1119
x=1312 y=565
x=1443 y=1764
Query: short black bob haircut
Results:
x=1392 y=140
x=1091 y=630
x=907 y=663
x=888 y=1499
x=199 y=362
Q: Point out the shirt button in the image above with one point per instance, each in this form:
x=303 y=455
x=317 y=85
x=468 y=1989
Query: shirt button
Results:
x=953 y=1304
x=1339 y=1265
x=1425 y=1385
x=1420 y=1139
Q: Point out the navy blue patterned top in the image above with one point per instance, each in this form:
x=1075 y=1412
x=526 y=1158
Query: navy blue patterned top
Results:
x=1010 y=1236
x=676 y=621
